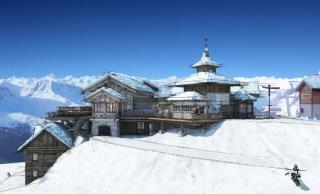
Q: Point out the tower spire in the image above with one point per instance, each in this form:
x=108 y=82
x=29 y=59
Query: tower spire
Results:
x=206 y=49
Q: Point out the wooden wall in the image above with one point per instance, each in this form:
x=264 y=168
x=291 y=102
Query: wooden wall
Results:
x=309 y=96
x=208 y=88
x=48 y=149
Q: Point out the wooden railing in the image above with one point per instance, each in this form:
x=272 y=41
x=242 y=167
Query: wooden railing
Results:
x=138 y=113
x=66 y=111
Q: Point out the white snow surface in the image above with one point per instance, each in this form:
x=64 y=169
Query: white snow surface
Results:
x=236 y=156
x=15 y=181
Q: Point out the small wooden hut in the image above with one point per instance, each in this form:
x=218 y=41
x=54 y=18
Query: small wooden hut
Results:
x=43 y=148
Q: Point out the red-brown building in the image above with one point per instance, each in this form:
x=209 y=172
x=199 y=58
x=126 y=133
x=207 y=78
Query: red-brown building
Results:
x=309 y=96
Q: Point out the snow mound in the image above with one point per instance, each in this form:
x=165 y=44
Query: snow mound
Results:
x=234 y=156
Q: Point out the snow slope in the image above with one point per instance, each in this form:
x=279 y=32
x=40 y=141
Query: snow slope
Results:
x=15 y=181
x=235 y=156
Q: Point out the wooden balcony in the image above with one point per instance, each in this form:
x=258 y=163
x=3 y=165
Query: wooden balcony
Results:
x=169 y=115
x=194 y=116
x=70 y=112
x=138 y=113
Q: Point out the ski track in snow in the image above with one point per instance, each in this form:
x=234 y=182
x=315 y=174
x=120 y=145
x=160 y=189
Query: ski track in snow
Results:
x=195 y=154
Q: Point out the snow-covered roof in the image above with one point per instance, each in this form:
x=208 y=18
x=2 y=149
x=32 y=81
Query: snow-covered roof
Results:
x=108 y=91
x=132 y=82
x=251 y=87
x=58 y=131
x=187 y=96
x=206 y=59
x=312 y=81
x=206 y=77
x=243 y=94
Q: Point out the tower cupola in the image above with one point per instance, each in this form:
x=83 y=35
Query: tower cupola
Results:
x=206 y=64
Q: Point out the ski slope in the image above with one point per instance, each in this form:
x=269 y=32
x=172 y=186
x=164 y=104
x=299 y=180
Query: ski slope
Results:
x=15 y=180
x=234 y=156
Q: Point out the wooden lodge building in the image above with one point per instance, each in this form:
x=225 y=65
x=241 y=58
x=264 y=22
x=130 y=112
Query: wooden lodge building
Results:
x=120 y=105
x=309 y=96
x=43 y=148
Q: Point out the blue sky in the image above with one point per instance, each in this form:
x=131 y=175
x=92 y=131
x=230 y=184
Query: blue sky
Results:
x=157 y=39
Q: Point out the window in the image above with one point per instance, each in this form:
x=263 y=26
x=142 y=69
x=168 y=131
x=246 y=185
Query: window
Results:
x=242 y=108
x=176 y=108
x=140 y=125
x=111 y=107
x=99 y=107
x=186 y=108
x=35 y=174
x=35 y=156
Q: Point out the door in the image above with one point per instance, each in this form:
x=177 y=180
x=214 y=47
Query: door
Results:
x=104 y=130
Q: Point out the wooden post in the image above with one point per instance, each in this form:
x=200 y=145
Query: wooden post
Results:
x=151 y=131
x=182 y=130
x=311 y=103
x=161 y=127
x=269 y=94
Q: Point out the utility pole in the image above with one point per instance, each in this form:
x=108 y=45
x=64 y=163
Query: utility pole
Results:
x=269 y=87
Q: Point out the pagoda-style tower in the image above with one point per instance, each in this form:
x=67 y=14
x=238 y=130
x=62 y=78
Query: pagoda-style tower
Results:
x=206 y=64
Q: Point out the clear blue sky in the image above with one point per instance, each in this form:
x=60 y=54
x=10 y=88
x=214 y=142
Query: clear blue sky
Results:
x=157 y=39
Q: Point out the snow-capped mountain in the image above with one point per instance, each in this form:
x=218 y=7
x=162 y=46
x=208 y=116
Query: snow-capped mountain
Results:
x=22 y=100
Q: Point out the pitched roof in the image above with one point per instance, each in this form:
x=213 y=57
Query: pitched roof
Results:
x=140 y=85
x=57 y=130
x=187 y=96
x=312 y=81
x=108 y=91
x=243 y=94
x=206 y=77
x=206 y=59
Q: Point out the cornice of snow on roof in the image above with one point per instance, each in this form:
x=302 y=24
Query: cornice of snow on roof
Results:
x=312 y=81
x=207 y=77
x=187 y=96
x=140 y=85
x=58 y=131
x=251 y=87
x=243 y=95
x=206 y=61
x=108 y=91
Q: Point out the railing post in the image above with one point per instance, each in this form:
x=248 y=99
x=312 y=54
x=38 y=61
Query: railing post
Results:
x=182 y=131
x=161 y=127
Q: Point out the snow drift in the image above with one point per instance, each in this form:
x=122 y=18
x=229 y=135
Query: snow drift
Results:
x=235 y=156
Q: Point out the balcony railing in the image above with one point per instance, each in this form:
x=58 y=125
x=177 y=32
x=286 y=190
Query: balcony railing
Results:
x=66 y=111
x=138 y=113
